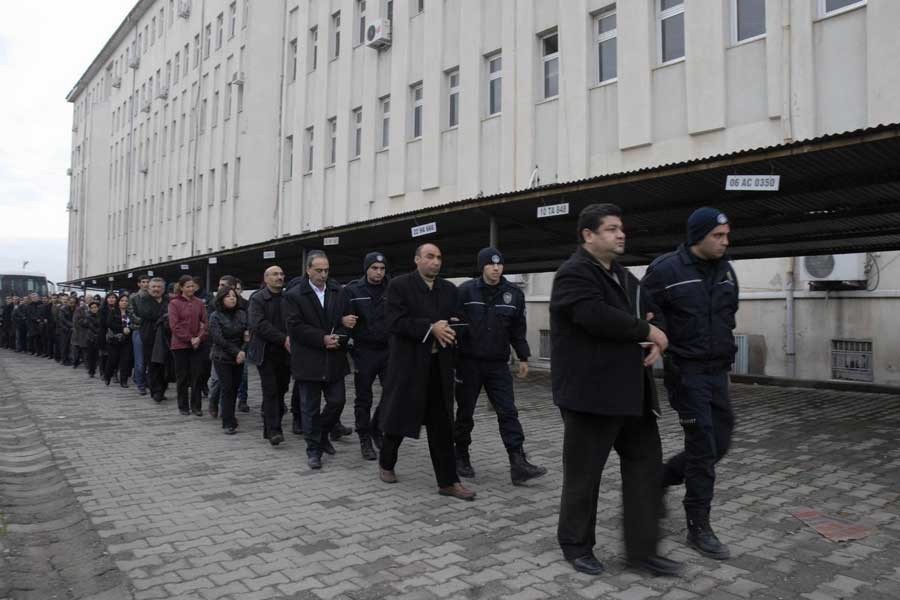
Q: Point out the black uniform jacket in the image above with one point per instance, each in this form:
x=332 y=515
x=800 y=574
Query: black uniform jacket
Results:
x=595 y=329
x=266 y=320
x=493 y=324
x=370 y=330
x=411 y=309
x=307 y=324
x=699 y=306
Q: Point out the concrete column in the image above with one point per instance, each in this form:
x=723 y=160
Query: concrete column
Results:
x=882 y=62
x=468 y=179
x=508 y=132
x=341 y=201
x=704 y=37
x=774 y=56
x=637 y=55
x=802 y=91
x=400 y=98
x=573 y=151
x=433 y=90
x=523 y=78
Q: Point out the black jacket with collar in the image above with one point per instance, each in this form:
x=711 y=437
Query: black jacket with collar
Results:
x=596 y=326
x=699 y=307
x=226 y=333
x=371 y=328
x=307 y=325
x=265 y=317
x=494 y=325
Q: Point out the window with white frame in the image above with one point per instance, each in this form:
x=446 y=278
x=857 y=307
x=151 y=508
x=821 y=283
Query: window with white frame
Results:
x=220 y=30
x=418 y=107
x=748 y=19
x=310 y=148
x=207 y=41
x=232 y=19
x=332 y=140
x=357 y=132
x=833 y=7
x=361 y=21
x=550 y=60
x=313 y=48
x=418 y=7
x=670 y=26
x=453 y=98
x=605 y=40
x=245 y=17
x=385 y=140
x=237 y=177
x=292 y=60
x=288 y=167
x=336 y=34
x=495 y=84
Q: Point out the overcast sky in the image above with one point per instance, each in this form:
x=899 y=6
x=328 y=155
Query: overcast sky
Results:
x=45 y=46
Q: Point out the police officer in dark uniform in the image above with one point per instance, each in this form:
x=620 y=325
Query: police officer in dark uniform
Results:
x=697 y=290
x=364 y=301
x=495 y=311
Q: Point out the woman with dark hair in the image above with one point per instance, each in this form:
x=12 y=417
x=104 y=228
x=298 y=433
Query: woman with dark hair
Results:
x=229 y=335
x=108 y=305
x=94 y=331
x=187 y=320
x=118 y=338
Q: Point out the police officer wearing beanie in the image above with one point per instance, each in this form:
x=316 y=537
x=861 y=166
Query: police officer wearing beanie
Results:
x=363 y=304
x=495 y=311
x=696 y=289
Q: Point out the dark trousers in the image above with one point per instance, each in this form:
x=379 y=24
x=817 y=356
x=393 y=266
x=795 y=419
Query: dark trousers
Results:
x=91 y=355
x=49 y=339
x=296 y=408
x=156 y=372
x=497 y=381
x=189 y=371
x=65 y=337
x=275 y=377
x=229 y=382
x=438 y=425
x=21 y=337
x=704 y=411
x=119 y=360
x=318 y=423
x=35 y=346
x=587 y=442
x=369 y=364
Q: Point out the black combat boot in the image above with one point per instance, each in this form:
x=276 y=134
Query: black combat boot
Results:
x=463 y=465
x=339 y=431
x=703 y=539
x=365 y=447
x=520 y=470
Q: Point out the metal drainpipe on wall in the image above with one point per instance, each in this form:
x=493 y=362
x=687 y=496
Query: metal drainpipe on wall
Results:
x=196 y=200
x=132 y=162
x=790 y=351
x=786 y=91
x=279 y=150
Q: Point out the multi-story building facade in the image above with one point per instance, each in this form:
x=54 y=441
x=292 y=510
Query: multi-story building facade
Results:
x=281 y=117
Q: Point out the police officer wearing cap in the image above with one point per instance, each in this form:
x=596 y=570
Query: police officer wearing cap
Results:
x=363 y=301
x=495 y=311
x=696 y=289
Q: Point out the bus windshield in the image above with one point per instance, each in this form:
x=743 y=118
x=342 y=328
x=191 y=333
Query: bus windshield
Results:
x=22 y=285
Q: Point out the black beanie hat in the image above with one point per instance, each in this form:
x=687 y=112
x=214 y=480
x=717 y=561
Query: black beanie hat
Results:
x=702 y=221
x=489 y=256
x=372 y=258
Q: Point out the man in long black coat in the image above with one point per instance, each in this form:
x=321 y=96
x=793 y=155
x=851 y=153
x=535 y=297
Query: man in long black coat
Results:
x=604 y=388
x=421 y=313
x=313 y=318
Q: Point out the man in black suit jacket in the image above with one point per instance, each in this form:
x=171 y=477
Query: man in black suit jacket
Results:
x=312 y=316
x=421 y=313
x=604 y=388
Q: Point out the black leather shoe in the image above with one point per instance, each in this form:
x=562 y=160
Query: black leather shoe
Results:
x=314 y=461
x=704 y=541
x=657 y=565
x=366 y=449
x=242 y=407
x=587 y=564
x=520 y=470
x=142 y=391
x=297 y=429
x=463 y=466
x=186 y=413
x=276 y=438
x=326 y=447
x=340 y=431
x=231 y=431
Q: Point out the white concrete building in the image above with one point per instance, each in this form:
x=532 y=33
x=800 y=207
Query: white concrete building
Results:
x=278 y=118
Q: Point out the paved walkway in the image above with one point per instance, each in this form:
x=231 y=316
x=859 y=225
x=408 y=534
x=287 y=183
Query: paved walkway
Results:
x=187 y=512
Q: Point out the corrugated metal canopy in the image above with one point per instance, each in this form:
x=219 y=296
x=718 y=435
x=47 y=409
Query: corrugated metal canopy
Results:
x=839 y=193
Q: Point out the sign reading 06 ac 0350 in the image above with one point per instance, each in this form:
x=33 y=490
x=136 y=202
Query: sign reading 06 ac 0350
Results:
x=761 y=183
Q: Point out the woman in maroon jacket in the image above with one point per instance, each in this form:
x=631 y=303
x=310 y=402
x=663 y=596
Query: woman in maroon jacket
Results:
x=187 y=320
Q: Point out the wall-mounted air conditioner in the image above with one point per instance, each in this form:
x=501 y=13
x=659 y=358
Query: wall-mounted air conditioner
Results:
x=134 y=59
x=145 y=106
x=378 y=34
x=237 y=78
x=117 y=81
x=835 y=267
x=163 y=92
x=184 y=9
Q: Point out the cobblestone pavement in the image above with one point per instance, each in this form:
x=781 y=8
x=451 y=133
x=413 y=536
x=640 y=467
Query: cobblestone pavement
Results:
x=187 y=512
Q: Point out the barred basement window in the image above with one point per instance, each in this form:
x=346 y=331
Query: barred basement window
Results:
x=852 y=360
x=544 y=345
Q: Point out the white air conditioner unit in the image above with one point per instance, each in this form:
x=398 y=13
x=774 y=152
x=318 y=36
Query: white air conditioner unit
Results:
x=69 y=171
x=117 y=82
x=184 y=9
x=237 y=78
x=163 y=92
x=145 y=106
x=378 y=34
x=134 y=60
x=835 y=267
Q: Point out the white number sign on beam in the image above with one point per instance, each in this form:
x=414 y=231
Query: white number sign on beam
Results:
x=185 y=267
x=267 y=254
x=331 y=241
x=213 y=260
x=753 y=183
x=553 y=210
x=420 y=230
